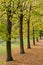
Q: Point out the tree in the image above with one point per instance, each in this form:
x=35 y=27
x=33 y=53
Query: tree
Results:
x=9 y=26
x=33 y=35
x=40 y=32
x=28 y=24
x=37 y=36
x=37 y=39
x=21 y=30
x=21 y=34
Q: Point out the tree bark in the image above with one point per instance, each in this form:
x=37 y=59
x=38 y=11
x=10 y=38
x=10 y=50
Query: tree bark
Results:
x=37 y=39
x=9 y=26
x=21 y=34
x=40 y=35
x=28 y=34
x=28 y=31
x=33 y=36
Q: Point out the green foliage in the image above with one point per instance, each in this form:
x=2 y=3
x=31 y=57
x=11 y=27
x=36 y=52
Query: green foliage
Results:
x=36 y=16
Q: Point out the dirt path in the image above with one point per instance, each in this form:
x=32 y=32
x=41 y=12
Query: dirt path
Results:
x=33 y=56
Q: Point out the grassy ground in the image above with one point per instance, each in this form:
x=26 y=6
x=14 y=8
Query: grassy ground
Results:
x=14 y=44
x=33 y=56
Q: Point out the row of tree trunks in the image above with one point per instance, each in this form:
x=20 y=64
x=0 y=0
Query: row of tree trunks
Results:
x=9 y=26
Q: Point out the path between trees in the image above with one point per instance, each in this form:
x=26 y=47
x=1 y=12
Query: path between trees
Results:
x=33 y=56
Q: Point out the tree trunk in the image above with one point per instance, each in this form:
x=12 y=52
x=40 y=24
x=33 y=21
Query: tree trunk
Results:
x=9 y=56
x=28 y=34
x=28 y=31
x=9 y=26
x=21 y=34
x=37 y=39
x=33 y=36
x=40 y=35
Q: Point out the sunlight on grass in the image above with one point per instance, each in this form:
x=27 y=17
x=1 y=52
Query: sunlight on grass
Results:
x=2 y=48
x=14 y=45
x=1 y=62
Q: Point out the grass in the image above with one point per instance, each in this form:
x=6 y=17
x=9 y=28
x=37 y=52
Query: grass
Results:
x=14 y=45
x=2 y=48
x=1 y=62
